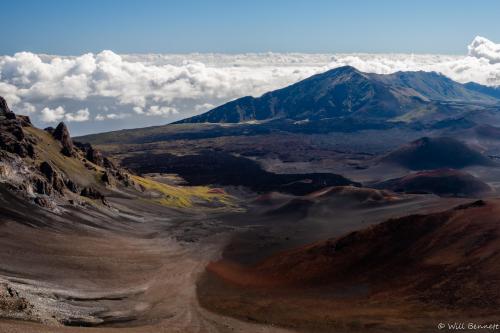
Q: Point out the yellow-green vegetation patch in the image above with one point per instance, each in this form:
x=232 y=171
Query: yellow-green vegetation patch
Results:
x=184 y=196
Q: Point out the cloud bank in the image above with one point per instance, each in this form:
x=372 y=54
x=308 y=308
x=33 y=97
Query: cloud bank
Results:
x=105 y=91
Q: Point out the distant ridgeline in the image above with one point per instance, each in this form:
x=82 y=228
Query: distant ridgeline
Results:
x=350 y=96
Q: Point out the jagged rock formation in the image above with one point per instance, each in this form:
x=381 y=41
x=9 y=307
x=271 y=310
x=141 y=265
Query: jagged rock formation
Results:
x=91 y=154
x=4 y=108
x=50 y=169
x=95 y=156
x=54 y=177
x=12 y=137
x=61 y=134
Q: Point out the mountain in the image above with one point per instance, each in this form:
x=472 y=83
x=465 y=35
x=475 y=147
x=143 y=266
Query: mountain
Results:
x=436 y=265
x=343 y=99
x=442 y=182
x=347 y=92
x=366 y=254
x=436 y=153
x=490 y=91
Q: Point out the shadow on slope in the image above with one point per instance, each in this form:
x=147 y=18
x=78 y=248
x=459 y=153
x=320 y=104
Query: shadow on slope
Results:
x=406 y=274
x=434 y=153
x=220 y=168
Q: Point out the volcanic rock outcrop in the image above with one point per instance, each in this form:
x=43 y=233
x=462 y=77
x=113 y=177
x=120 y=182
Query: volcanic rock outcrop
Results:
x=61 y=134
x=12 y=136
x=48 y=168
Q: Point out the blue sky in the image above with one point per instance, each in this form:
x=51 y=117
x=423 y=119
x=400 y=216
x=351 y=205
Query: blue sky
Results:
x=151 y=26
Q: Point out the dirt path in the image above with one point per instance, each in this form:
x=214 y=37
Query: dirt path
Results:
x=130 y=284
x=168 y=304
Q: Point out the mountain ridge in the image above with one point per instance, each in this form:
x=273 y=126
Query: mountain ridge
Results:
x=347 y=92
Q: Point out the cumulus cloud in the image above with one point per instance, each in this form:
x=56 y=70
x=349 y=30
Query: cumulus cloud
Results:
x=151 y=87
x=80 y=115
x=52 y=115
x=26 y=108
x=204 y=107
x=156 y=110
x=484 y=48
x=100 y=117
x=138 y=110
x=49 y=115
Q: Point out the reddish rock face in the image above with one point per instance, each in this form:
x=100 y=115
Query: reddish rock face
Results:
x=443 y=182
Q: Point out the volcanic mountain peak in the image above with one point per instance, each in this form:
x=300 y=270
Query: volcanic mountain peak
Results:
x=434 y=153
x=490 y=91
x=340 y=74
x=348 y=92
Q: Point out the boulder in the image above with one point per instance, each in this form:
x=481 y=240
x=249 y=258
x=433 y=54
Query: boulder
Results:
x=61 y=134
x=106 y=178
x=42 y=187
x=45 y=202
x=71 y=185
x=91 y=193
x=91 y=154
x=47 y=170
x=53 y=177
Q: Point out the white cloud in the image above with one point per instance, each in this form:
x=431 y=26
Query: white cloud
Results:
x=53 y=115
x=174 y=86
x=78 y=116
x=204 y=107
x=138 y=110
x=484 y=48
x=156 y=110
x=49 y=115
x=26 y=108
x=9 y=92
x=100 y=117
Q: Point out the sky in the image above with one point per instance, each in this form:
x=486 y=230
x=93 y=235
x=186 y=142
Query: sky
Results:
x=103 y=65
x=236 y=26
